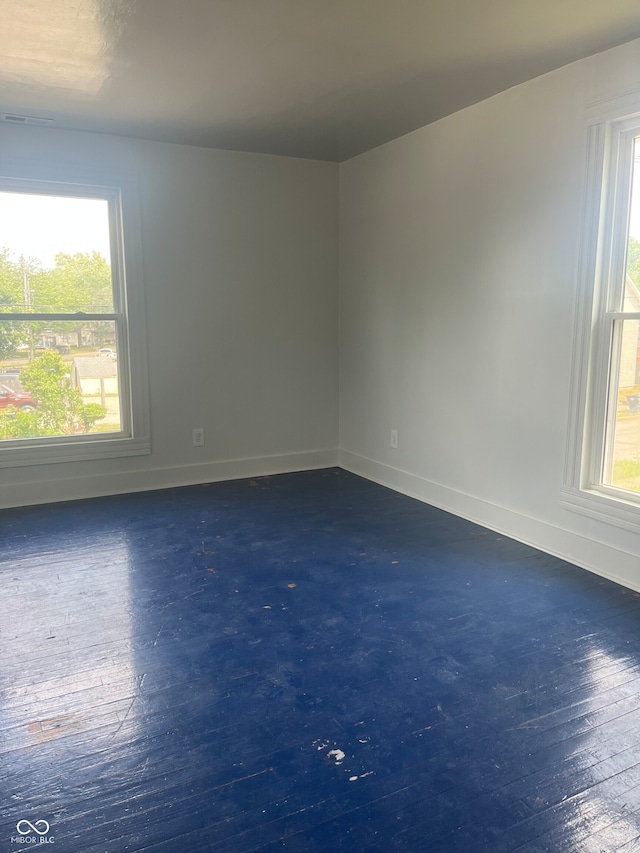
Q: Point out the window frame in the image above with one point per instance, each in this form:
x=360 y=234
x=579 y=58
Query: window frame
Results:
x=120 y=191
x=600 y=285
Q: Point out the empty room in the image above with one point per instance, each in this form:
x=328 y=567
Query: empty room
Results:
x=320 y=426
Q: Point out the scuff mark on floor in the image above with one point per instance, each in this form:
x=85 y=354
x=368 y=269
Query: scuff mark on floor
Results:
x=41 y=731
x=337 y=755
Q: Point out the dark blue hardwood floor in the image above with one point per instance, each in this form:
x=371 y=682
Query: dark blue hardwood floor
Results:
x=308 y=662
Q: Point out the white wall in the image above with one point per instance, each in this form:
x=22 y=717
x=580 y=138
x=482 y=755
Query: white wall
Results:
x=240 y=268
x=457 y=287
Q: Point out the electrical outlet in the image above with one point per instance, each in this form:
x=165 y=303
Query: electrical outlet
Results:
x=394 y=439
x=198 y=437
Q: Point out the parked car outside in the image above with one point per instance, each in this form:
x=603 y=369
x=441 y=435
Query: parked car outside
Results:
x=18 y=399
x=107 y=352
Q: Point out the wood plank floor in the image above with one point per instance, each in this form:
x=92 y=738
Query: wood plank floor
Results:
x=308 y=662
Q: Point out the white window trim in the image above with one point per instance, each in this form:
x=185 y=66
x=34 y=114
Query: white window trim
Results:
x=127 y=256
x=589 y=411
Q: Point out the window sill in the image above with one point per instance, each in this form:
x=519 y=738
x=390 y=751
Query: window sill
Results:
x=16 y=454
x=607 y=508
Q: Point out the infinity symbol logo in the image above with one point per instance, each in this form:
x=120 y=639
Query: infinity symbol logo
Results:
x=32 y=827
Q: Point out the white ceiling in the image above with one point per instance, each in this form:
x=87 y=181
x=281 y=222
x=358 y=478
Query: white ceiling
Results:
x=325 y=79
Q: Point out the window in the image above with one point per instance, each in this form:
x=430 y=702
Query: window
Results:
x=72 y=368
x=620 y=318
x=604 y=457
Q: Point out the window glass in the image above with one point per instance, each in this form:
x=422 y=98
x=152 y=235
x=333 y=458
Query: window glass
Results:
x=631 y=293
x=622 y=440
x=59 y=372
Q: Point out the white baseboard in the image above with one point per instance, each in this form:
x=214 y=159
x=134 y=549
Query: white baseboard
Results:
x=78 y=488
x=602 y=559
